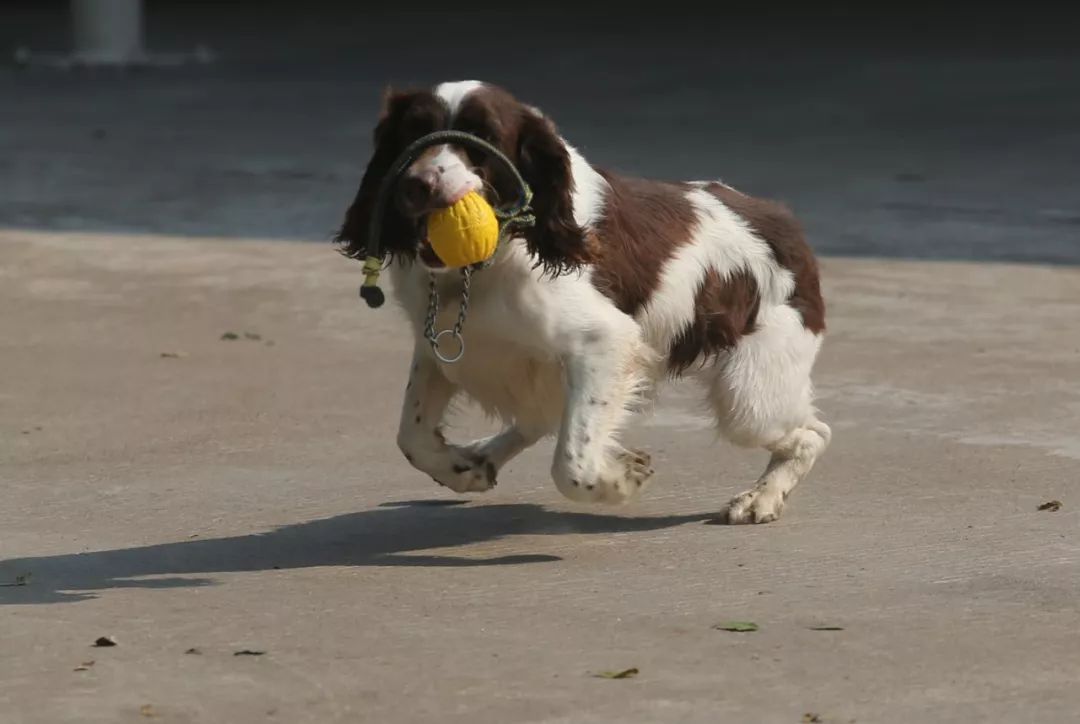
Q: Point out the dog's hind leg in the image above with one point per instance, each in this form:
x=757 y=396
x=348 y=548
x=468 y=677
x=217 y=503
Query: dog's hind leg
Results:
x=763 y=396
x=792 y=457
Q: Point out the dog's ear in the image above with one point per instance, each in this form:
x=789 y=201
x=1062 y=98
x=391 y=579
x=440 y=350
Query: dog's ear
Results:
x=557 y=241
x=354 y=230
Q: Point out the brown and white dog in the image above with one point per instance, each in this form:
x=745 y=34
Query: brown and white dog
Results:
x=621 y=283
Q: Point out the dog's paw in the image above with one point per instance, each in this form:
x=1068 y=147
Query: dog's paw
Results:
x=758 y=505
x=626 y=476
x=468 y=472
x=637 y=471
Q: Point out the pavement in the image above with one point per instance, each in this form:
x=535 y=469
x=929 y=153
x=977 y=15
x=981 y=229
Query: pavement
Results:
x=194 y=497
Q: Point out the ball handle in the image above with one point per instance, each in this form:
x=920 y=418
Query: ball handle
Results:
x=373 y=296
x=369 y=290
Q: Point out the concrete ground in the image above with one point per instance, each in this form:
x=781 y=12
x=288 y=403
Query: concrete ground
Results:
x=247 y=495
x=181 y=491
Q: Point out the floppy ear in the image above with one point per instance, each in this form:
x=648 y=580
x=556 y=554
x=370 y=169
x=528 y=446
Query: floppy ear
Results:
x=354 y=230
x=556 y=240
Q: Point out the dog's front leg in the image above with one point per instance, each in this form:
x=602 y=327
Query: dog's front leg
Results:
x=463 y=469
x=604 y=375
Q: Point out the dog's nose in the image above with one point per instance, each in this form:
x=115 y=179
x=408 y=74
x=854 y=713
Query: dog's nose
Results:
x=417 y=189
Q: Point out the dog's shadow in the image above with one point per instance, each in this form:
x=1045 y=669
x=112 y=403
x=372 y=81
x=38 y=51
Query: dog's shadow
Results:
x=384 y=536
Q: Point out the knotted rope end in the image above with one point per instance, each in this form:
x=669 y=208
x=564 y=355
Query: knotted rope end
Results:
x=369 y=290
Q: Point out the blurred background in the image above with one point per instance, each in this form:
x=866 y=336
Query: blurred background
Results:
x=894 y=131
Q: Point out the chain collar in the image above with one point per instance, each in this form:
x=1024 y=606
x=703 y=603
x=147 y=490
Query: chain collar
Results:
x=430 y=334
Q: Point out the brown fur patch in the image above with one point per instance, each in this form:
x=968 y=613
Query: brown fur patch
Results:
x=778 y=228
x=533 y=144
x=492 y=114
x=724 y=311
x=644 y=222
x=405 y=117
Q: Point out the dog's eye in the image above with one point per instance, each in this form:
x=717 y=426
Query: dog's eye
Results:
x=413 y=131
x=484 y=133
x=418 y=122
x=477 y=156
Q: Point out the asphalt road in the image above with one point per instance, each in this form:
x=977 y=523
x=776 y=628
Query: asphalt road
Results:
x=929 y=134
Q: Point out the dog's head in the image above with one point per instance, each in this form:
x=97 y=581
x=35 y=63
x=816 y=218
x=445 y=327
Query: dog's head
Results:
x=444 y=174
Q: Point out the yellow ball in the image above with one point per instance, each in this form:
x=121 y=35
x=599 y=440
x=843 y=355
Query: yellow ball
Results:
x=465 y=233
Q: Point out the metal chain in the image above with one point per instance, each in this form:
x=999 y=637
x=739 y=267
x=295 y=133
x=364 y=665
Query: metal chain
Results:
x=433 y=312
x=432 y=309
x=466 y=278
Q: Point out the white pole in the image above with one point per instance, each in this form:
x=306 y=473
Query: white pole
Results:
x=108 y=32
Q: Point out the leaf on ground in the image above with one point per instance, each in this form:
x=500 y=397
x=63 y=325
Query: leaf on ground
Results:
x=737 y=626
x=147 y=711
x=85 y=666
x=253 y=336
x=811 y=718
x=103 y=641
x=194 y=651
x=230 y=336
x=624 y=674
x=172 y=355
x=1052 y=505
x=248 y=652
x=826 y=628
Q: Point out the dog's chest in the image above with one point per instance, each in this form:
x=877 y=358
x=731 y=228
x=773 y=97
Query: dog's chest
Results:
x=508 y=368
x=508 y=381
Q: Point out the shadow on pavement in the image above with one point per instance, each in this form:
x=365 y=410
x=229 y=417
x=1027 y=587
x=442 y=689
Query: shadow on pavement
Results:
x=385 y=536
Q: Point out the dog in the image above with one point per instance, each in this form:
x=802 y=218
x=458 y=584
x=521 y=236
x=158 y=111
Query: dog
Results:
x=620 y=284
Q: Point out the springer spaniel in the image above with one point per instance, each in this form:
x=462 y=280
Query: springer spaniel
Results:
x=620 y=283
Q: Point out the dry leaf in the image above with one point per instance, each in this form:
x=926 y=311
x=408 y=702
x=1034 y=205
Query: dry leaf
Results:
x=826 y=628
x=230 y=336
x=624 y=674
x=147 y=711
x=1052 y=505
x=248 y=652
x=253 y=336
x=84 y=666
x=105 y=641
x=811 y=718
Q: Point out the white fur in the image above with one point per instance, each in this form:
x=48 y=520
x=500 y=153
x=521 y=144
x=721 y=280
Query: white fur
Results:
x=455 y=92
x=554 y=356
x=450 y=176
x=590 y=189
